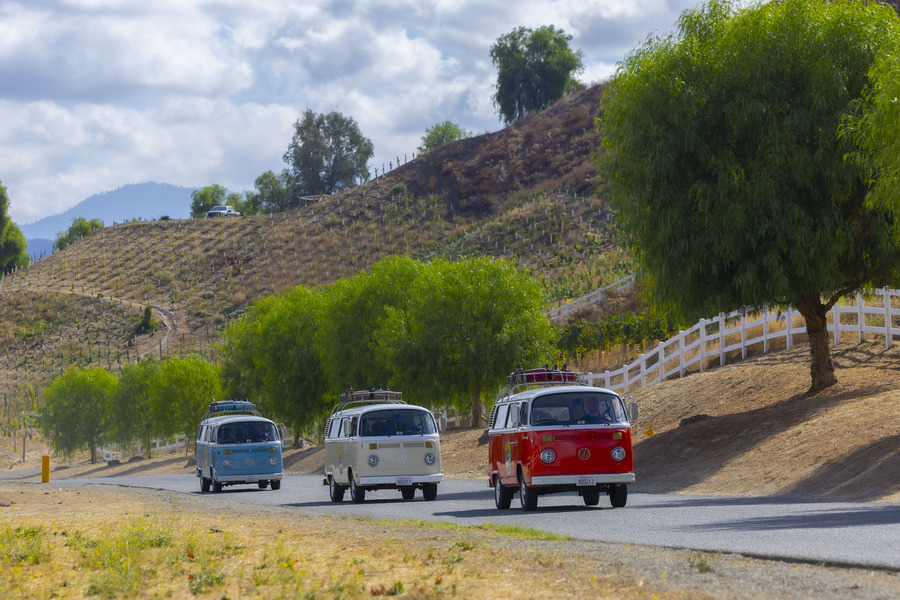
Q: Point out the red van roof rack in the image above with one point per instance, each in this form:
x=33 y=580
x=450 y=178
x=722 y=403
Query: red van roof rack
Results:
x=541 y=376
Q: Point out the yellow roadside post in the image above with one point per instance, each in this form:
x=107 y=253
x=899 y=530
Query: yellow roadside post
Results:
x=45 y=469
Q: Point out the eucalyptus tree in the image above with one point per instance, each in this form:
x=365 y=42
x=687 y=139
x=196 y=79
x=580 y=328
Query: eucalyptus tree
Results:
x=134 y=409
x=535 y=68
x=466 y=326
x=12 y=243
x=282 y=371
x=75 y=414
x=327 y=154
x=185 y=387
x=352 y=313
x=728 y=173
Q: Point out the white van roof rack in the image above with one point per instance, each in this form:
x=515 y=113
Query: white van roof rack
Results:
x=372 y=395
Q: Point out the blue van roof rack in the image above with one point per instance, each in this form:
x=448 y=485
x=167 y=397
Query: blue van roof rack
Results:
x=230 y=406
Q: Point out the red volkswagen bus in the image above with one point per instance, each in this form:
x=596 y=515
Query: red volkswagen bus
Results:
x=550 y=432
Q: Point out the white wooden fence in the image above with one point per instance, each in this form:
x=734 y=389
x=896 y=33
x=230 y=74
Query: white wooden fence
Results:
x=591 y=299
x=712 y=339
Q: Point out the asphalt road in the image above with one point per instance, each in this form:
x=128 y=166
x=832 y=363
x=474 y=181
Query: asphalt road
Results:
x=834 y=533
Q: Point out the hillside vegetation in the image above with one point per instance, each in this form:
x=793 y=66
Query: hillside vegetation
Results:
x=526 y=193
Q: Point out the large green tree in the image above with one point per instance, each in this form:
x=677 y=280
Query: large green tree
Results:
x=134 y=409
x=12 y=243
x=185 y=387
x=353 y=312
x=270 y=356
x=327 y=154
x=76 y=408
x=728 y=173
x=535 y=68
x=467 y=325
x=272 y=193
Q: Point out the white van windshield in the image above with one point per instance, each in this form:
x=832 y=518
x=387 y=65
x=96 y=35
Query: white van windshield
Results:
x=396 y=422
x=249 y=432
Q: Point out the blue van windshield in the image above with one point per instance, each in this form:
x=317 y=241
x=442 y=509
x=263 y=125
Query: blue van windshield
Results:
x=249 y=432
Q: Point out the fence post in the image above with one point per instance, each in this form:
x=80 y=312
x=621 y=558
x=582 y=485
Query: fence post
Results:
x=860 y=318
x=888 y=320
x=765 y=317
x=789 y=320
x=643 y=364
x=681 y=335
x=721 y=340
x=702 y=345
x=743 y=335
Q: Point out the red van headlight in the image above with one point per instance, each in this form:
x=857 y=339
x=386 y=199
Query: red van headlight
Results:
x=618 y=453
x=548 y=456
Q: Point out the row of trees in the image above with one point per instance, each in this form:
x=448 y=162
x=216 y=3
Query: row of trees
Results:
x=87 y=407
x=444 y=333
x=631 y=329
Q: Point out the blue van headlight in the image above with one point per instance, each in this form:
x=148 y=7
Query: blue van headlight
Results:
x=226 y=463
x=373 y=460
x=273 y=460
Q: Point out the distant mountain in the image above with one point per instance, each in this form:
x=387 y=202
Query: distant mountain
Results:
x=148 y=201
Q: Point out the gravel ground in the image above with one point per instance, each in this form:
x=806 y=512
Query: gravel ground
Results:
x=661 y=572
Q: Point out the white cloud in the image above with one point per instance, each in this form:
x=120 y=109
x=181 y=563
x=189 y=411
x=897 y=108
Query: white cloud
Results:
x=96 y=94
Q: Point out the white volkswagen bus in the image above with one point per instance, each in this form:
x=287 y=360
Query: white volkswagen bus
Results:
x=375 y=441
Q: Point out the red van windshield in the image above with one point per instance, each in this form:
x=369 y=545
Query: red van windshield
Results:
x=576 y=408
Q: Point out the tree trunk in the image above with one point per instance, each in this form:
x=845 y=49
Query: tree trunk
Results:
x=821 y=369
x=477 y=408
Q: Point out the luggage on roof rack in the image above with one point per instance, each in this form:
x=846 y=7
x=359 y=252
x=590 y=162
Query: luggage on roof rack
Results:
x=217 y=407
x=369 y=396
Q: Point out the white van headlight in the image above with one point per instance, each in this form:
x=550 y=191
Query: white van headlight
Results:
x=618 y=453
x=548 y=456
x=373 y=460
x=430 y=458
x=226 y=463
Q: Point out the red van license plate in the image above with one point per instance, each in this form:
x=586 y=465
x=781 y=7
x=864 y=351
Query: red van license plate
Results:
x=586 y=480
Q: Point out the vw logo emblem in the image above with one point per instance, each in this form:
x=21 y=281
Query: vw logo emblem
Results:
x=250 y=461
x=402 y=459
x=584 y=454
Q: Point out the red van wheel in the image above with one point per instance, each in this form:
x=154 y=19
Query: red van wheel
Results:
x=502 y=494
x=618 y=495
x=527 y=495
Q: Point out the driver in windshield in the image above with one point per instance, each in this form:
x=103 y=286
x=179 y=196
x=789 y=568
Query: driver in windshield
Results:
x=592 y=412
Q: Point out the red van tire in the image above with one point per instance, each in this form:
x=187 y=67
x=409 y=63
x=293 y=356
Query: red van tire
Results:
x=502 y=494
x=618 y=495
x=591 y=497
x=527 y=495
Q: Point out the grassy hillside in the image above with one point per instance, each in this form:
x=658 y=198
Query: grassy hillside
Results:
x=527 y=193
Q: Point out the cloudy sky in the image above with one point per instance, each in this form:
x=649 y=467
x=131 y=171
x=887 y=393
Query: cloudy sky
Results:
x=96 y=94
